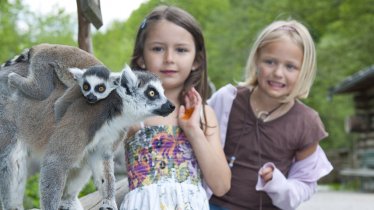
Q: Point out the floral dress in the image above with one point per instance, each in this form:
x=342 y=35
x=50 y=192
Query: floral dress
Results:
x=162 y=171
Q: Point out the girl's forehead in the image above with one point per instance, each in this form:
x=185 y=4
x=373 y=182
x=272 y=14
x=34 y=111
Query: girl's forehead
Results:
x=280 y=40
x=164 y=24
x=167 y=31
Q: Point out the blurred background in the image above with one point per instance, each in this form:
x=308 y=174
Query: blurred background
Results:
x=343 y=31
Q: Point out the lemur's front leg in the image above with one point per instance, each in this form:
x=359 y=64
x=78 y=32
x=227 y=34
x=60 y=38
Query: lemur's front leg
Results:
x=13 y=173
x=76 y=180
x=102 y=167
x=53 y=175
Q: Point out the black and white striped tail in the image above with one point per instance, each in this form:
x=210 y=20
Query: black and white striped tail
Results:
x=23 y=57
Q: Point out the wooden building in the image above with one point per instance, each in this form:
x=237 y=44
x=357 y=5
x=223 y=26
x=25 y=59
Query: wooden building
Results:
x=361 y=85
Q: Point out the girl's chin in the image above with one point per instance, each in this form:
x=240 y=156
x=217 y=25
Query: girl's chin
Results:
x=277 y=94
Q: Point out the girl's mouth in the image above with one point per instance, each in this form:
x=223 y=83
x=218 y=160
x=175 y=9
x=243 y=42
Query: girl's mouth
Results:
x=167 y=72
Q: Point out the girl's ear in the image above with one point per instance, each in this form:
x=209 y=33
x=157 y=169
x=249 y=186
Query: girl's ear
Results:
x=197 y=62
x=141 y=62
x=195 y=65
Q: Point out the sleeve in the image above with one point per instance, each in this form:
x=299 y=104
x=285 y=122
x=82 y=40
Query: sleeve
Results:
x=301 y=183
x=221 y=102
x=313 y=128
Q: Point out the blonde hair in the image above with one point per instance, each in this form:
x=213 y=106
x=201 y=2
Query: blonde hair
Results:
x=298 y=33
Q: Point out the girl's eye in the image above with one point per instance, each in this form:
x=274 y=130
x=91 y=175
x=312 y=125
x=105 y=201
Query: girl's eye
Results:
x=269 y=61
x=181 y=50
x=157 y=49
x=290 y=67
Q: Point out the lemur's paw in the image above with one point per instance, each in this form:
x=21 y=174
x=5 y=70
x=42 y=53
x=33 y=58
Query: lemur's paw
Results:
x=108 y=205
x=12 y=79
x=72 y=204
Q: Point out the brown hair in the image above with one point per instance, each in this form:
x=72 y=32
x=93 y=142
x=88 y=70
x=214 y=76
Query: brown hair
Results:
x=197 y=78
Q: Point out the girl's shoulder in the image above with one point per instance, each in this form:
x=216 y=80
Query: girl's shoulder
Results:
x=209 y=112
x=304 y=110
x=223 y=96
x=228 y=89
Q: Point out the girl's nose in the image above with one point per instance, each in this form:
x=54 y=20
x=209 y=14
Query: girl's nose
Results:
x=169 y=56
x=278 y=71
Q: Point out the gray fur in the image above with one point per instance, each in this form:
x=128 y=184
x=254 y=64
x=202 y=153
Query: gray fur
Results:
x=93 y=77
x=45 y=62
x=76 y=146
x=92 y=145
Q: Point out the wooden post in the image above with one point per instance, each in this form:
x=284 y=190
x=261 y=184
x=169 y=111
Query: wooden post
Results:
x=84 y=31
x=89 y=11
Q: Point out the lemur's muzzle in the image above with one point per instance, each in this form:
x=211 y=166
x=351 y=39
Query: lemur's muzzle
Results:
x=91 y=98
x=165 y=109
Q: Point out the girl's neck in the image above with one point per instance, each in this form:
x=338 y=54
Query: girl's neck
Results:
x=263 y=101
x=173 y=96
x=267 y=108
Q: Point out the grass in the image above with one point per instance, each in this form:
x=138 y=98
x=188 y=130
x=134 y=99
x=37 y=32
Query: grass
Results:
x=31 y=199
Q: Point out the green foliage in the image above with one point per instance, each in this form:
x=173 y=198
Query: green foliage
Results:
x=20 y=29
x=11 y=40
x=89 y=188
x=31 y=199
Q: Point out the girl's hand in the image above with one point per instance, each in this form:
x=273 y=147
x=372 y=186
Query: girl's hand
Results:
x=266 y=173
x=189 y=115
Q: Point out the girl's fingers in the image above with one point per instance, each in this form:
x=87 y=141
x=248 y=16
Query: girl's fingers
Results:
x=267 y=177
x=267 y=174
x=181 y=111
x=187 y=113
x=193 y=104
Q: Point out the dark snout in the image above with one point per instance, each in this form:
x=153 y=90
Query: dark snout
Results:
x=91 y=98
x=165 y=109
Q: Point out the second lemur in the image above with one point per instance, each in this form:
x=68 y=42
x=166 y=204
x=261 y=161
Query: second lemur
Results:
x=95 y=83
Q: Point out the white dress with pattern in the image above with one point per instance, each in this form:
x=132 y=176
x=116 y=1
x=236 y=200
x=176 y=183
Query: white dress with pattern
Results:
x=163 y=172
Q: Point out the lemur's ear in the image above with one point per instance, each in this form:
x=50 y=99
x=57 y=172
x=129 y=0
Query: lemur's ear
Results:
x=128 y=79
x=114 y=79
x=77 y=73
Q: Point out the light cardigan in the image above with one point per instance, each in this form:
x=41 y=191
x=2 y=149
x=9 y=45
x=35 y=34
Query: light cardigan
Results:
x=285 y=192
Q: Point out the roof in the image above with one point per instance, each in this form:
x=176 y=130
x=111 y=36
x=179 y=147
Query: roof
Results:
x=359 y=81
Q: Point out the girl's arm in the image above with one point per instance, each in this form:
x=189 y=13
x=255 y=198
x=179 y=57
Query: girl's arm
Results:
x=301 y=183
x=206 y=145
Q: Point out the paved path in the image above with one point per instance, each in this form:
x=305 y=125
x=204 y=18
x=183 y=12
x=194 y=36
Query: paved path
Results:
x=326 y=199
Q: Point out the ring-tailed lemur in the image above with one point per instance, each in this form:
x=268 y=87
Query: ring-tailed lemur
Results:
x=91 y=146
x=95 y=83
x=48 y=64
x=83 y=140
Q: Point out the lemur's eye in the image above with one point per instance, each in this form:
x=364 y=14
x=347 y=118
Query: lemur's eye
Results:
x=152 y=93
x=100 y=88
x=86 y=86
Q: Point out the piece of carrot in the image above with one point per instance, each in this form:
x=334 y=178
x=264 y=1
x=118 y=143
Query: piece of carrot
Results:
x=187 y=114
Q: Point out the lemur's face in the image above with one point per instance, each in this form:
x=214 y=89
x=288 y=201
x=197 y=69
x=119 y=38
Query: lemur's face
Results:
x=142 y=95
x=95 y=88
x=96 y=82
